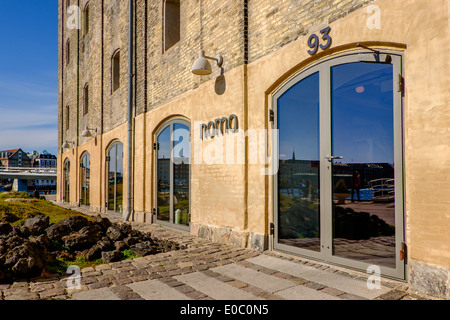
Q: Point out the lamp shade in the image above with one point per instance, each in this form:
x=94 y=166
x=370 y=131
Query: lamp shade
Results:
x=201 y=66
x=86 y=133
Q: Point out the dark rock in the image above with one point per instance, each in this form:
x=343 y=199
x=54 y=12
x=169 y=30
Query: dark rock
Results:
x=121 y=245
x=66 y=226
x=27 y=259
x=95 y=252
x=104 y=223
x=84 y=238
x=111 y=256
x=39 y=221
x=131 y=241
x=5 y=228
x=144 y=248
x=9 y=217
x=118 y=232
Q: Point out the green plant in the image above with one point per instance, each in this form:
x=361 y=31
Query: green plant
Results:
x=128 y=254
x=341 y=187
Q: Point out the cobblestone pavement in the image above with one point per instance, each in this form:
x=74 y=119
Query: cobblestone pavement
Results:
x=209 y=271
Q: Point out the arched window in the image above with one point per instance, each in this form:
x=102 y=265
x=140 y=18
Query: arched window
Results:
x=67 y=52
x=173 y=160
x=85 y=174
x=67 y=117
x=115 y=71
x=66 y=182
x=171 y=23
x=114 y=163
x=86 y=19
x=86 y=99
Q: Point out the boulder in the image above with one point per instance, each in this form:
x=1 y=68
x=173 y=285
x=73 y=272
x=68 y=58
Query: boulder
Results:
x=9 y=217
x=95 y=252
x=26 y=260
x=121 y=245
x=36 y=225
x=118 y=232
x=83 y=239
x=104 y=223
x=144 y=248
x=5 y=228
x=111 y=256
x=66 y=226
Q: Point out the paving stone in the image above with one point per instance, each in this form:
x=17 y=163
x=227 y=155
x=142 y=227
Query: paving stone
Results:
x=314 y=285
x=97 y=294
x=51 y=293
x=335 y=280
x=392 y=295
x=304 y=293
x=214 y=288
x=156 y=290
x=333 y=291
x=22 y=296
x=258 y=279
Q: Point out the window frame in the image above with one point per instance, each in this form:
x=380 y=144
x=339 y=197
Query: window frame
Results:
x=165 y=25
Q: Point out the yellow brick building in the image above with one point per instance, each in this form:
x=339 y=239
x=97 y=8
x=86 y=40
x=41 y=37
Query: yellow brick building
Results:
x=324 y=133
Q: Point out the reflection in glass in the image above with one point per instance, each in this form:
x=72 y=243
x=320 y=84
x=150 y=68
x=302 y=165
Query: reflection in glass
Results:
x=298 y=175
x=163 y=175
x=115 y=178
x=181 y=164
x=363 y=181
x=66 y=183
x=173 y=174
x=85 y=179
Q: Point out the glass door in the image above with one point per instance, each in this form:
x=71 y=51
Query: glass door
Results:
x=339 y=190
x=173 y=174
x=298 y=178
x=114 y=201
x=363 y=171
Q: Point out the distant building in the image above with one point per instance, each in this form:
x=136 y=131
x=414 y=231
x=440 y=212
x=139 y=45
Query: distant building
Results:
x=15 y=158
x=44 y=160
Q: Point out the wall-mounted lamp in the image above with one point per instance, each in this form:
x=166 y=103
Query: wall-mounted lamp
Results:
x=202 y=67
x=67 y=144
x=87 y=132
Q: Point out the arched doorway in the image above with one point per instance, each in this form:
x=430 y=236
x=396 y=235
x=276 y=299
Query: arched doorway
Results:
x=173 y=159
x=114 y=164
x=338 y=194
x=85 y=173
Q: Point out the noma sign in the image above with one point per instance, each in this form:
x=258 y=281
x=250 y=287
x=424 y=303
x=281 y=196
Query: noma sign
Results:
x=219 y=126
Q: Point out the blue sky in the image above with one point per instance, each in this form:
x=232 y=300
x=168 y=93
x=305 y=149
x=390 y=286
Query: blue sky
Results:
x=29 y=75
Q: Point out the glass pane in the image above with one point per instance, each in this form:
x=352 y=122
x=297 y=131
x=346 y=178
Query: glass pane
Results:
x=363 y=180
x=298 y=175
x=119 y=178
x=181 y=164
x=67 y=181
x=112 y=178
x=85 y=177
x=163 y=175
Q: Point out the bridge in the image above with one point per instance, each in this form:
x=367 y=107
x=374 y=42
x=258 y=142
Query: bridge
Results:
x=22 y=175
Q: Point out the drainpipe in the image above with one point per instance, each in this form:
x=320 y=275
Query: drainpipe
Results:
x=130 y=107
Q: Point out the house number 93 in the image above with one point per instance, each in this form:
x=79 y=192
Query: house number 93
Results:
x=313 y=41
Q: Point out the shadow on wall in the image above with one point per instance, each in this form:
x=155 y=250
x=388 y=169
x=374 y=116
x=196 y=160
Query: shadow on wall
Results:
x=221 y=84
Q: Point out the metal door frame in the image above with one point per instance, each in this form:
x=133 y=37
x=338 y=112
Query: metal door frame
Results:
x=326 y=226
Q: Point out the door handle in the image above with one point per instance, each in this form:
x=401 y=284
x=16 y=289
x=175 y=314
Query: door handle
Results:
x=331 y=158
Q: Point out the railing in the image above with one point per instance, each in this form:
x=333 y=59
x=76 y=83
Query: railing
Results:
x=28 y=170
x=383 y=189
